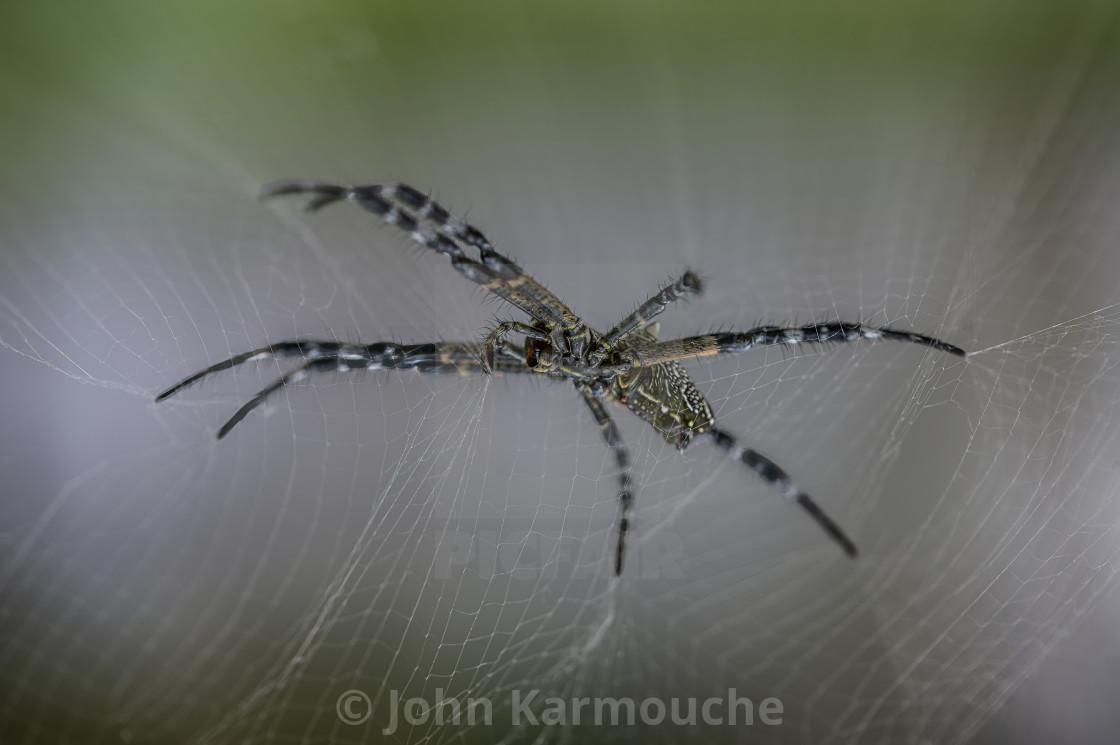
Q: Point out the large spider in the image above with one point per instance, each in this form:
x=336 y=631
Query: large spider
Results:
x=628 y=365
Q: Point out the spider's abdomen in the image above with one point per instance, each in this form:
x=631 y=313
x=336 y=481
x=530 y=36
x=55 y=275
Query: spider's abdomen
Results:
x=665 y=397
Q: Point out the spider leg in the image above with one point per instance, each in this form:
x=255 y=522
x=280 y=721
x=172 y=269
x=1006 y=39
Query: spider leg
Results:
x=436 y=357
x=643 y=315
x=462 y=358
x=772 y=474
x=733 y=342
x=622 y=457
x=306 y=349
x=465 y=358
x=431 y=225
x=301 y=373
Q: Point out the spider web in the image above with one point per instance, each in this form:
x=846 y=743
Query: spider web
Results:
x=408 y=536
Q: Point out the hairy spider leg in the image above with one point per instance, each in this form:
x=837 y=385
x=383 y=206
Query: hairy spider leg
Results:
x=625 y=474
x=643 y=315
x=463 y=358
x=431 y=225
x=772 y=474
x=732 y=342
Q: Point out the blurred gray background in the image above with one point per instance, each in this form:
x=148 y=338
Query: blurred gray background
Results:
x=950 y=168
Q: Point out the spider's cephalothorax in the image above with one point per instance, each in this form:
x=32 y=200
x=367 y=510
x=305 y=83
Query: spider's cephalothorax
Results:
x=628 y=365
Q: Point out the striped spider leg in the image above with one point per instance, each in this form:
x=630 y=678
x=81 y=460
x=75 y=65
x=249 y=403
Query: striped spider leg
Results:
x=319 y=355
x=628 y=366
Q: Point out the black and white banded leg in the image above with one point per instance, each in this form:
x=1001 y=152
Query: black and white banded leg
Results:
x=734 y=342
x=774 y=475
x=643 y=315
x=323 y=355
x=625 y=478
x=426 y=222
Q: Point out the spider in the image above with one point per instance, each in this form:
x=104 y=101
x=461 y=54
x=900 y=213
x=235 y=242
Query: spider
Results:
x=628 y=365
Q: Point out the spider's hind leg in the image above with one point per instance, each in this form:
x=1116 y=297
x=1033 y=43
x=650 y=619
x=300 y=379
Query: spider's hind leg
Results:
x=773 y=474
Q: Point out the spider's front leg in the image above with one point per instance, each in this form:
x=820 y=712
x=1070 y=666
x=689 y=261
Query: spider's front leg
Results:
x=322 y=355
x=426 y=222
